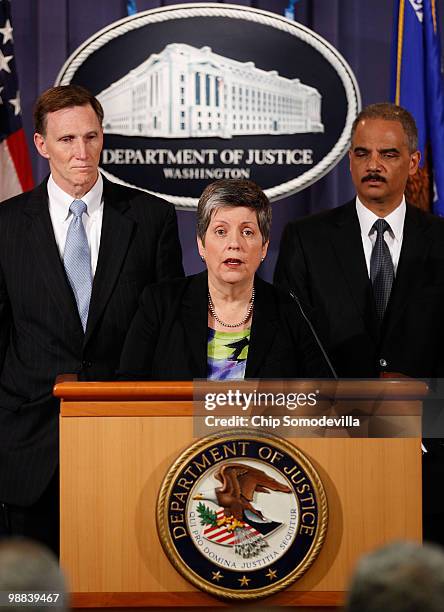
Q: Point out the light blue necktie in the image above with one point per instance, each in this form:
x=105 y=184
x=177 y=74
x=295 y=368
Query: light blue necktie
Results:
x=77 y=260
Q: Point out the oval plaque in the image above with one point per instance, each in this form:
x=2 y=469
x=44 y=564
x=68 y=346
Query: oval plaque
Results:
x=194 y=93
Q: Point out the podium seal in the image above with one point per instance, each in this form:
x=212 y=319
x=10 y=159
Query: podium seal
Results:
x=242 y=516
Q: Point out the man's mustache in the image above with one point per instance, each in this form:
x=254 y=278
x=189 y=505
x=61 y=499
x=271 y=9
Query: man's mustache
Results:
x=373 y=177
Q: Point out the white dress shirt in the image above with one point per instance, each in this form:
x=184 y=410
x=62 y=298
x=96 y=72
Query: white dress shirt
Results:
x=393 y=238
x=61 y=216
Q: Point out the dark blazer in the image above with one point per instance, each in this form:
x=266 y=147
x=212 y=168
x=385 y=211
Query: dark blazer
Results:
x=322 y=259
x=168 y=336
x=41 y=333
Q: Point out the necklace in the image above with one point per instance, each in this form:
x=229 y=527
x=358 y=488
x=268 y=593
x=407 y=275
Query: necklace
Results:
x=244 y=320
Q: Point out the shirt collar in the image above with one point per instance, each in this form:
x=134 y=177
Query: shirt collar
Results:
x=60 y=201
x=395 y=219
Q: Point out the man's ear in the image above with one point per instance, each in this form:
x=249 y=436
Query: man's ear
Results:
x=40 y=145
x=415 y=158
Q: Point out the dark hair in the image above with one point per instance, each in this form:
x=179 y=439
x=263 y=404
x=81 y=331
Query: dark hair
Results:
x=29 y=566
x=231 y=193
x=401 y=577
x=390 y=112
x=63 y=96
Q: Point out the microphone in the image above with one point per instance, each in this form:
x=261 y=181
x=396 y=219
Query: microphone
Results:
x=315 y=335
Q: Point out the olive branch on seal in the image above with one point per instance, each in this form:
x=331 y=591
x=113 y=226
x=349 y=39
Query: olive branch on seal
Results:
x=207 y=516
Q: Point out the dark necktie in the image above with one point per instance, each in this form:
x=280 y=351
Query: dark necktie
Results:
x=77 y=260
x=381 y=268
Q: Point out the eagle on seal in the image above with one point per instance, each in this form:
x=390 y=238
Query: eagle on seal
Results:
x=239 y=484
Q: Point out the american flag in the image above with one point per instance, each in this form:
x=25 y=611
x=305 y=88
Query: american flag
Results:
x=221 y=535
x=15 y=167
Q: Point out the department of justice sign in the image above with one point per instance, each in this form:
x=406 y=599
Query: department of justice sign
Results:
x=242 y=516
x=197 y=92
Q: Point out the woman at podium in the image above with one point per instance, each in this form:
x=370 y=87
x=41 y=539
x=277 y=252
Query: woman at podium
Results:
x=224 y=323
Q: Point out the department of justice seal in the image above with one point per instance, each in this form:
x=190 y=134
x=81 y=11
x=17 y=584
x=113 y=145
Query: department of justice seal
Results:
x=242 y=516
x=198 y=92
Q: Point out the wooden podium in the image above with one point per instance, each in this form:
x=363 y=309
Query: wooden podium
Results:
x=118 y=441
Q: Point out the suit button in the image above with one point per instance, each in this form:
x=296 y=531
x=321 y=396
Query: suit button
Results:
x=86 y=364
x=383 y=363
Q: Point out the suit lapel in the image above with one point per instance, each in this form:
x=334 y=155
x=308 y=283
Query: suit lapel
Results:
x=263 y=328
x=347 y=244
x=43 y=248
x=194 y=318
x=415 y=247
x=114 y=241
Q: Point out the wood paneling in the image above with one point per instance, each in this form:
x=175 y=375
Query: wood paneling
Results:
x=111 y=471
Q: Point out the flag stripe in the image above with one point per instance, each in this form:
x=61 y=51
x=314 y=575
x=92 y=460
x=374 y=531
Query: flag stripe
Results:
x=220 y=534
x=210 y=529
x=15 y=165
x=9 y=181
x=224 y=538
x=19 y=153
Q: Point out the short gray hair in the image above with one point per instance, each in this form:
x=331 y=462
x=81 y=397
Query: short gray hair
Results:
x=401 y=577
x=390 y=112
x=231 y=193
x=29 y=566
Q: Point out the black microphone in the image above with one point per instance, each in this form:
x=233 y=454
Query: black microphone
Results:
x=315 y=335
x=6 y=520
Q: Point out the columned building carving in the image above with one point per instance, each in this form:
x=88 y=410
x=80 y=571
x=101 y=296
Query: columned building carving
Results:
x=188 y=92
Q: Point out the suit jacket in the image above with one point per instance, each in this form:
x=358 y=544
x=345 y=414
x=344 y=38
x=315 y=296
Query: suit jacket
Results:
x=322 y=259
x=41 y=333
x=168 y=336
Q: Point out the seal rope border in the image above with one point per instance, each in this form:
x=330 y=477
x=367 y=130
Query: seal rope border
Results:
x=170 y=550
x=184 y=11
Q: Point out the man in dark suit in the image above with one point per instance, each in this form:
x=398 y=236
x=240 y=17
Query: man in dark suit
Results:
x=373 y=269
x=330 y=262
x=75 y=254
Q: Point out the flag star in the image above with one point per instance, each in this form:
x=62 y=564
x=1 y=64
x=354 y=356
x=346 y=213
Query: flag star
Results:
x=217 y=576
x=7 y=32
x=271 y=574
x=4 y=61
x=16 y=104
x=244 y=581
x=1 y=89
